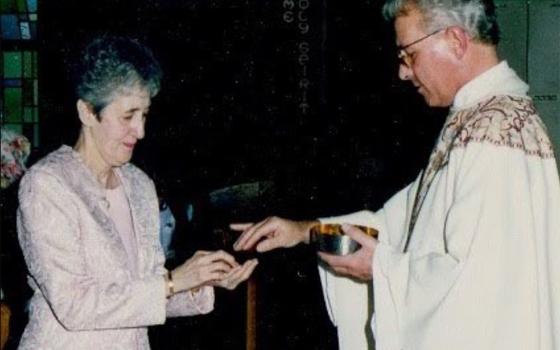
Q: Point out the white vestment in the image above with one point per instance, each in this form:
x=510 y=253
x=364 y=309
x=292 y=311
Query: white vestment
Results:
x=469 y=253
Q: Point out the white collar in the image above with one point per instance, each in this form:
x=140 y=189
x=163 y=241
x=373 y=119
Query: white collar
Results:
x=498 y=80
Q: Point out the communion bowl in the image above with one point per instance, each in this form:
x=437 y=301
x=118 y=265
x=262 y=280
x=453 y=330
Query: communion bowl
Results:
x=329 y=238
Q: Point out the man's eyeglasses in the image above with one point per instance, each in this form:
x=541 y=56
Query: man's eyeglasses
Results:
x=407 y=58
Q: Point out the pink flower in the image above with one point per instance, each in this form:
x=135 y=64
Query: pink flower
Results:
x=15 y=149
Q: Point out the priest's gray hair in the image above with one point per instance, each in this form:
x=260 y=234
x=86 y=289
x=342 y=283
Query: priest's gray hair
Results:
x=112 y=66
x=476 y=17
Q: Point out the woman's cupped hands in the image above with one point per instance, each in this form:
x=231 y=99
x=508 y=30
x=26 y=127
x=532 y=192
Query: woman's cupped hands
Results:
x=211 y=268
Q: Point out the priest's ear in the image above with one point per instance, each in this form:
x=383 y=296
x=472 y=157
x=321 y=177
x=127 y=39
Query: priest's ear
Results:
x=87 y=115
x=459 y=40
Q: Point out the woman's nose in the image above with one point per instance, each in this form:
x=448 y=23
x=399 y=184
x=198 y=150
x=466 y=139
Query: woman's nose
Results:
x=138 y=128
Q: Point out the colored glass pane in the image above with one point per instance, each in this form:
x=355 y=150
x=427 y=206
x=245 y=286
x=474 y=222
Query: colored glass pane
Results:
x=9 y=25
x=12 y=82
x=25 y=30
x=28 y=114
x=35 y=92
x=14 y=127
x=28 y=92
x=12 y=64
x=34 y=63
x=32 y=5
x=19 y=92
x=12 y=100
x=8 y=6
x=27 y=64
x=22 y=5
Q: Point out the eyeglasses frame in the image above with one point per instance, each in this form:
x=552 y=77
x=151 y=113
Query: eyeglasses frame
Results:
x=404 y=57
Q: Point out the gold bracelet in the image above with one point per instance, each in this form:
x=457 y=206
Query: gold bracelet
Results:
x=170 y=284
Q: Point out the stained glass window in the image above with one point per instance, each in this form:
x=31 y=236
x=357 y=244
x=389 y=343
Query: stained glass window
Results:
x=19 y=87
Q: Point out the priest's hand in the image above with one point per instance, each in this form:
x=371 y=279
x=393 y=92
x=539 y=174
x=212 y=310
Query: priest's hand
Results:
x=272 y=233
x=358 y=264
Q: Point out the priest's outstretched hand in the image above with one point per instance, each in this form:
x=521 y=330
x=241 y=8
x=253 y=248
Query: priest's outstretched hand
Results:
x=275 y=232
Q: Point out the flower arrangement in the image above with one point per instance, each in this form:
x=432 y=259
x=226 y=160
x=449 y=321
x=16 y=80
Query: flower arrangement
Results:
x=15 y=150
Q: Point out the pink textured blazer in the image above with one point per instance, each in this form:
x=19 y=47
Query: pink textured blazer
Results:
x=85 y=296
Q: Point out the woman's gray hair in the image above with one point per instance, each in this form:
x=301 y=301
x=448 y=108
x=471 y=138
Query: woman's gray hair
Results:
x=111 y=66
x=477 y=17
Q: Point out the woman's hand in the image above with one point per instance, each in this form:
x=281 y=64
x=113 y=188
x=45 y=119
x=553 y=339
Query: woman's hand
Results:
x=204 y=268
x=237 y=275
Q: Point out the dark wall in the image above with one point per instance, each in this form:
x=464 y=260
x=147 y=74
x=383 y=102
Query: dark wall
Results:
x=302 y=94
x=230 y=110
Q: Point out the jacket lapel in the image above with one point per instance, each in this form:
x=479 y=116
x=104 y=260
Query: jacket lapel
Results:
x=135 y=201
x=86 y=187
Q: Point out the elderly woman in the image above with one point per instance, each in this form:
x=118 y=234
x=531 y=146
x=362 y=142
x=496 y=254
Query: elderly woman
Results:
x=88 y=221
